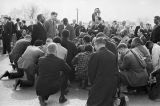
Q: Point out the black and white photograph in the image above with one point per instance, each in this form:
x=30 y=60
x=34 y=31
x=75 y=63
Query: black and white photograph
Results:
x=79 y=52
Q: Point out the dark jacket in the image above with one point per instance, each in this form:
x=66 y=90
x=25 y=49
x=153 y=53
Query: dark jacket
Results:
x=72 y=50
x=155 y=36
x=7 y=32
x=101 y=72
x=39 y=33
x=19 y=48
x=49 y=68
x=70 y=28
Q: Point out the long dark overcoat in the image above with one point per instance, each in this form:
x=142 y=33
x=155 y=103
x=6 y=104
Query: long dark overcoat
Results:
x=102 y=69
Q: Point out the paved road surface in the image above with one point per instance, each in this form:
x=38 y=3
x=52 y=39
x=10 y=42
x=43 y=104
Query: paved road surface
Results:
x=27 y=97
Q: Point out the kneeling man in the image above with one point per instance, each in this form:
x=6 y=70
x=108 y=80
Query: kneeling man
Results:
x=52 y=77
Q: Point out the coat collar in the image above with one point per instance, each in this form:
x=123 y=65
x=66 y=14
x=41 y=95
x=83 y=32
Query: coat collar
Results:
x=102 y=49
x=50 y=55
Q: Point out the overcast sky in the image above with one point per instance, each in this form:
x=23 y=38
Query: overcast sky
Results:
x=110 y=9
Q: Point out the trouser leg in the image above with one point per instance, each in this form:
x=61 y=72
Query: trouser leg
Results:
x=122 y=79
x=30 y=80
x=63 y=87
x=4 y=45
x=8 y=45
x=18 y=74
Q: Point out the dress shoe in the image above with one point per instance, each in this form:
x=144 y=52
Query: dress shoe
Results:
x=41 y=101
x=17 y=82
x=62 y=99
x=6 y=73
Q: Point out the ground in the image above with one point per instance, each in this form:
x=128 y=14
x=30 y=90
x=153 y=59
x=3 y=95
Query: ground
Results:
x=27 y=97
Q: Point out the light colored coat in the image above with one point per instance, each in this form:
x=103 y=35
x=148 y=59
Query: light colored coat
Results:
x=30 y=57
x=61 y=52
x=156 y=56
x=50 y=27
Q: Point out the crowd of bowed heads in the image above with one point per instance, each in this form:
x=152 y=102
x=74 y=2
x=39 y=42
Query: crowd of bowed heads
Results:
x=53 y=55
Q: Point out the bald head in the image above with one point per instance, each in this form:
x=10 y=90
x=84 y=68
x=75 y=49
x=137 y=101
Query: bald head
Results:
x=52 y=48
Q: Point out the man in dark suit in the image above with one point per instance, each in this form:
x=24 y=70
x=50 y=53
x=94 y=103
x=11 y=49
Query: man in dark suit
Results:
x=155 y=36
x=101 y=72
x=17 y=29
x=39 y=32
x=52 y=75
x=7 y=35
x=72 y=50
x=68 y=27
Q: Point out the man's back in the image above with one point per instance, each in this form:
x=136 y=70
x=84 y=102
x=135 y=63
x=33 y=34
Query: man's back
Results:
x=103 y=66
x=50 y=66
x=72 y=31
x=20 y=47
x=61 y=52
x=72 y=50
x=32 y=53
x=134 y=72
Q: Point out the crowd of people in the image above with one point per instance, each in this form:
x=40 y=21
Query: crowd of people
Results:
x=103 y=57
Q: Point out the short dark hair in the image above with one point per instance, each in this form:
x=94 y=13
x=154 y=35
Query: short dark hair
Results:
x=148 y=43
x=39 y=16
x=87 y=38
x=57 y=40
x=17 y=19
x=99 y=18
x=65 y=21
x=9 y=18
x=65 y=33
x=157 y=17
x=88 y=48
x=38 y=43
x=24 y=21
x=122 y=46
x=54 y=13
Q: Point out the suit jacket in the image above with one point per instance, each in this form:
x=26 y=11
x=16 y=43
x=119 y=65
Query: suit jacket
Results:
x=72 y=50
x=155 y=36
x=30 y=57
x=19 y=49
x=50 y=27
x=71 y=30
x=39 y=33
x=102 y=74
x=49 y=68
x=7 y=30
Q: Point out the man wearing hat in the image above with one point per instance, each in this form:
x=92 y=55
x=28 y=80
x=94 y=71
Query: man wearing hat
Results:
x=7 y=33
